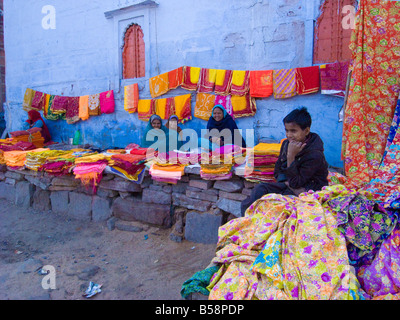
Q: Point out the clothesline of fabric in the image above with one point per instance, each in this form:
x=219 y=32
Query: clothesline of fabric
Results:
x=71 y=109
x=282 y=83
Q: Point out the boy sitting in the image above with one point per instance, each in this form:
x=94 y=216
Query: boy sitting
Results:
x=301 y=165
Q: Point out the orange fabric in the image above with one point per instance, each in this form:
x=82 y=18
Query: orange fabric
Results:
x=204 y=104
x=159 y=85
x=183 y=107
x=131 y=98
x=84 y=107
x=133 y=54
x=261 y=83
x=175 y=78
x=165 y=107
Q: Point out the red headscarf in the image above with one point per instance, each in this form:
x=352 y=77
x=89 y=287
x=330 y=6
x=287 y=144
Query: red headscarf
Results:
x=35 y=116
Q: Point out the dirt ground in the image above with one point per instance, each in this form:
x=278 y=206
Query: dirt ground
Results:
x=144 y=265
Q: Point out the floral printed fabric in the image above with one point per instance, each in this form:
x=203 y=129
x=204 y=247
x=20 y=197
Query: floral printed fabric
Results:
x=373 y=89
x=311 y=252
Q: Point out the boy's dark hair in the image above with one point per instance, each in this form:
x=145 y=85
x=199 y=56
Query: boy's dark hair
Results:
x=299 y=116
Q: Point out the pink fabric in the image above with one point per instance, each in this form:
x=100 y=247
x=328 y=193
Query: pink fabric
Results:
x=107 y=102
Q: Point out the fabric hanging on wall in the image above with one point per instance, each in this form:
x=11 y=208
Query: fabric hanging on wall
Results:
x=240 y=82
x=131 y=98
x=191 y=77
x=226 y=102
x=38 y=101
x=49 y=115
x=307 y=80
x=146 y=108
x=207 y=80
x=159 y=85
x=223 y=82
x=94 y=105
x=72 y=113
x=183 y=107
x=165 y=107
x=59 y=105
x=261 y=83
x=28 y=97
x=107 y=102
x=84 y=108
x=175 y=78
x=46 y=104
x=373 y=89
x=204 y=105
x=334 y=78
x=284 y=83
x=243 y=106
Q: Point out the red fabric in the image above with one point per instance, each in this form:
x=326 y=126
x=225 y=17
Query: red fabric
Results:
x=307 y=80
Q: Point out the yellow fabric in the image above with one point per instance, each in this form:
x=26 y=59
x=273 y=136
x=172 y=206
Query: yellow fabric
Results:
x=181 y=105
x=161 y=105
x=84 y=107
x=46 y=104
x=159 y=85
x=92 y=158
x=238 y=77
x=220 y=77
x=28 y=97
x=239 y=103
x=267 y=149
x=144 y=109
x=194 y=74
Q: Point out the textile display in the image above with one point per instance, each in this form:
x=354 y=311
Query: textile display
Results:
x=48 y=114
x=107 y=102
x=240 y=82
x=204 y=104
x=198 y=282
x=280 y=260
x=165 y=107
x=94 y=105
x=146 y=108
x=84 y=108
x=35 y=159
x=261 y=83
x=284 y=83
x=243 y=106
x=159 y=85
x=175 y=78
x=373 y=89
x=191 y=77
x=226 y=102
x=207 y=80
x=59 y=105
x=131 y=98
x=183 y=107
x=307 y=80
x=223 y=82
x=168 y=173
x=72 y=111
x=334 y=78
x=38 y=101
x=28 y=97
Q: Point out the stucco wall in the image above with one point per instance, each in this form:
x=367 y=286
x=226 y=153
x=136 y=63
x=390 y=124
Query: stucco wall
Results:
x=82 y=56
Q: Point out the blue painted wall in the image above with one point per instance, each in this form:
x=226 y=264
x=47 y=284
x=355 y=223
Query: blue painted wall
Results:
x=81 y=56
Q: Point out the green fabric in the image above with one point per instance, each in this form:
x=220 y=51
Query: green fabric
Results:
x=198 y=282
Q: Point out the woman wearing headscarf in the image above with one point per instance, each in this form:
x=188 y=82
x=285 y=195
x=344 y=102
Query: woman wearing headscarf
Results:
x=174 y=133
x=221 y=120
x=154 y=131
x=35 y=120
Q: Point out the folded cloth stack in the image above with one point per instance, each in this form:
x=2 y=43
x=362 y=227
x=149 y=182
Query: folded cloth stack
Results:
x=168 y=173
x=131 y=166
x=15 y=160
x=261 y=162
x=180 y=157
x=62 y=165
x=33 y=135
x=216 y=171
x=35 y=160
x=89 y=169
x=19 y=146
x=2 y=160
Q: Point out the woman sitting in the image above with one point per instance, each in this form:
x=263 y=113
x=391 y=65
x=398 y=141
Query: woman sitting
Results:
x=154 y=129
x=174 y=136
x=227 y=131
x=35 y=120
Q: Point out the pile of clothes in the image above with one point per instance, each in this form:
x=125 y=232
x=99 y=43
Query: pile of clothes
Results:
x=166 y=168
x=36 y=159
x=15 y=160
x=130 y=166
x=261 y=162
x=33 y=136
